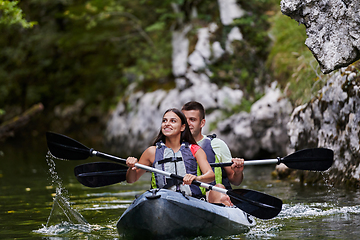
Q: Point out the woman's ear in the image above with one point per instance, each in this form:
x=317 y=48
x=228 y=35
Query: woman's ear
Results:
x=183 y=127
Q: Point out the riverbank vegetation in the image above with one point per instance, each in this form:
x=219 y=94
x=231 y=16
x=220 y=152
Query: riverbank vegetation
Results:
x=79 y=57
x=291 y=62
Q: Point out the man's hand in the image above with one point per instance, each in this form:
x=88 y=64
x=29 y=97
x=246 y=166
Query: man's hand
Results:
x=238 y=165
x=235 y=171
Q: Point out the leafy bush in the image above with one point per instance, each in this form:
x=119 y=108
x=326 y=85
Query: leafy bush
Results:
x=291 y=62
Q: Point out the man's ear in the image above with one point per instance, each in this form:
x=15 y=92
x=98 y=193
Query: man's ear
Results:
x=202 y=123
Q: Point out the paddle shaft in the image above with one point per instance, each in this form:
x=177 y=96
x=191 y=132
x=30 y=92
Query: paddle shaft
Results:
x=248 y=163
x=121 y=161
x=313 y=159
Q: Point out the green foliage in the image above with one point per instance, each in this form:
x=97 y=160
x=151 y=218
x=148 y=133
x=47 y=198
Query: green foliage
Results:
x=88 y=50
x=246 y=65
x=11 y=14
x=240 y=69
x=158 y=26
x=255 y=24
x=291 y=62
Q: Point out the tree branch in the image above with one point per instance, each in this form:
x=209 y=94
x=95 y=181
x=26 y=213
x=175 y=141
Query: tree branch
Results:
x=8 y=128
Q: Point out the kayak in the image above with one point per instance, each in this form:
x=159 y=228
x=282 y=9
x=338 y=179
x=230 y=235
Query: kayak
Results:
x=165 y=214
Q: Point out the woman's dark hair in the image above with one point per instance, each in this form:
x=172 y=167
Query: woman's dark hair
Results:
x=186 y=135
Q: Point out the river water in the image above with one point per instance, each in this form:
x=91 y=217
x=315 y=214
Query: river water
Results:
x=41 y=199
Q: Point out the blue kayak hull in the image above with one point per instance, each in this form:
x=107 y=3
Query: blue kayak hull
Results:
x=164 y=214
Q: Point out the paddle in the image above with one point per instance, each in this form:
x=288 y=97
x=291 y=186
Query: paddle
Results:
x=99 y=174
x=255 y=203
x=314 y=159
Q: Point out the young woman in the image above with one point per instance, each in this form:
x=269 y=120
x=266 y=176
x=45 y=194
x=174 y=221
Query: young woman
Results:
x=174 y=151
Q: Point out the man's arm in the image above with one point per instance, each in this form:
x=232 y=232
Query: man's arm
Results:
x=235 y=171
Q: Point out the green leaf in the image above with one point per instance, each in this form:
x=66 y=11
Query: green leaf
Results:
x=158 y=26
x=11 y=14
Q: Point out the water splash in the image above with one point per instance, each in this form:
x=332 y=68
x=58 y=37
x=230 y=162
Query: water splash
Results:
x=315 y=210
x=62 y=219
x=64 y=228
x=62 y=212
x=55 y=179
x=264 y=230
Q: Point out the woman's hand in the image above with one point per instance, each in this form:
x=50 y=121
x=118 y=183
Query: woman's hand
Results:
x=188 y=178
x=130 y=162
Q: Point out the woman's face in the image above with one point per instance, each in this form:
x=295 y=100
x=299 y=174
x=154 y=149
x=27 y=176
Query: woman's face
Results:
x=171 y=124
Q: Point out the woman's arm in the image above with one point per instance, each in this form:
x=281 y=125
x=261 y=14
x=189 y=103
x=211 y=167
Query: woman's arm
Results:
x=207 y=173
x=147 y=158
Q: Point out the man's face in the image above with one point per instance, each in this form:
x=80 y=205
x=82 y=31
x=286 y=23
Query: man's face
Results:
x=195 y=124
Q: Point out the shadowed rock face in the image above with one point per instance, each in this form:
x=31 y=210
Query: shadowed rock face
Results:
x=332 y=27
x=332 y=120
x=262 y=130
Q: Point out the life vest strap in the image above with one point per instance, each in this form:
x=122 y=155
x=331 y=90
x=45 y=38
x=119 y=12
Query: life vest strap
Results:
x=170 y=159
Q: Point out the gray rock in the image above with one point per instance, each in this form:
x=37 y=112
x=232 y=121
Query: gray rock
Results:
x=332 y=120
x=180 y=52
x=332 y=27
x=234 y=35
x=229 y=10
x=263 y=129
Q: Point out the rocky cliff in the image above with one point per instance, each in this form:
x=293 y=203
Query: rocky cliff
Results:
x=332 y=120
x=332 y=27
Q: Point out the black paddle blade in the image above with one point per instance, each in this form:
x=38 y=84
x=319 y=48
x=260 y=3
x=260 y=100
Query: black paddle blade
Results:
x=255 y=203
x=313 y=159
x=99 y=174
x=63 y=147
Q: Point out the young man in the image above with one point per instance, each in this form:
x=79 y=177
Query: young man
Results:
x=216 y=151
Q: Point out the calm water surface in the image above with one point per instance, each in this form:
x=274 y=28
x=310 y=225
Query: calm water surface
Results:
x=41 y=199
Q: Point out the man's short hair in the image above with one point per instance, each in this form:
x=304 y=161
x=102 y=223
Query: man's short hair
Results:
x=193 y=105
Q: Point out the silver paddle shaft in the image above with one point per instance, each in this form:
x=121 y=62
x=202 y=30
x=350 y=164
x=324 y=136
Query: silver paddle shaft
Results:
x=261 y=162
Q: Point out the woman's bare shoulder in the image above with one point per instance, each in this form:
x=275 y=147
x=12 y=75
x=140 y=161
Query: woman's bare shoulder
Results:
x=149 y=154
x=151 y=149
